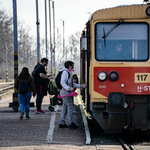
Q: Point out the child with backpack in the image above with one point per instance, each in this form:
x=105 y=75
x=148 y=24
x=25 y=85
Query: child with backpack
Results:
x=68 y=86
x=24 y=84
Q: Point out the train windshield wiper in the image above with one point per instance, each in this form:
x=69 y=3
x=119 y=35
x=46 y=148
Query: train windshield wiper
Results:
x=105 y=35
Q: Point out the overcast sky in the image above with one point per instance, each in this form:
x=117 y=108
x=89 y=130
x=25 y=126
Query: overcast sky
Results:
x=75 y=13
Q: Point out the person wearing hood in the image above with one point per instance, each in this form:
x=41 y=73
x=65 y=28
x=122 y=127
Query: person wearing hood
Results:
x=68 y=86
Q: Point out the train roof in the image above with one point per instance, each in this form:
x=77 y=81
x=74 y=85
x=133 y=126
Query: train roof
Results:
x=121 y=11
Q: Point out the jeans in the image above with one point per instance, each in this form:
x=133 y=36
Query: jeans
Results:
x=67 y=108
x=24 y=100
x=41 y=92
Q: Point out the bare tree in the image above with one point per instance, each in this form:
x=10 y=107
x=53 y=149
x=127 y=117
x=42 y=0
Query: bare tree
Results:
x=6 y=36
x=74 y=41
x=26 y=45
x=72 y=51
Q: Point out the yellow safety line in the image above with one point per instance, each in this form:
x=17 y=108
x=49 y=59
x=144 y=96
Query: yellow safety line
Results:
x=86 y=113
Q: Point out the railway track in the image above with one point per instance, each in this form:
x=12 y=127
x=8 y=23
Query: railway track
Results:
x=128 y=140
x=6 y=90
x=124 y=144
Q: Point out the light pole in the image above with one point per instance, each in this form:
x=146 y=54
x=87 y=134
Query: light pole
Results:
x=15 y=94
x=51 y=71
x=46 y=30
x=6 y=63
x=38 y=35
x=58 y=48
x=54 y=36
x=63 y=39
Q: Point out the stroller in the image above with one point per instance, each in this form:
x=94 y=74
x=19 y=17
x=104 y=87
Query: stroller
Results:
x=53 y=90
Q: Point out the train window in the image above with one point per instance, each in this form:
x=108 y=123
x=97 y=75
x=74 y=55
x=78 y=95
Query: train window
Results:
x=126 y=42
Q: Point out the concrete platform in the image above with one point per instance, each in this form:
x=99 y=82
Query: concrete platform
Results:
x=41 y=132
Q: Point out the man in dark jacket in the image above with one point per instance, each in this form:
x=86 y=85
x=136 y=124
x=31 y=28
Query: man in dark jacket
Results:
x=41 y=84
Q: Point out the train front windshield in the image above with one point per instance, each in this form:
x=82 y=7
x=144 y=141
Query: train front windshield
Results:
x=121 y=41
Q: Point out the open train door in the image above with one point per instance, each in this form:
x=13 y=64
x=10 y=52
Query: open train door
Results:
x=84 y=67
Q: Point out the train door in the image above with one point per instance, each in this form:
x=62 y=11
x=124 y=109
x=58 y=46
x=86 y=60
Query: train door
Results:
x=85 y=64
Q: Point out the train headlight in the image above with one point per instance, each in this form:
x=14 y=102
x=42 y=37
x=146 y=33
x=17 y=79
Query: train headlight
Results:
x=148 y=11
x=102 y=76
x=113 y=76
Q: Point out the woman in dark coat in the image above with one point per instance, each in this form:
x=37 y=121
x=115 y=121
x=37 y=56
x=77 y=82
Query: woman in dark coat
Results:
x=24 y=99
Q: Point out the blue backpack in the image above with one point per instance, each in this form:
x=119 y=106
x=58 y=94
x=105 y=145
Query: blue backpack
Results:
x=23 y=87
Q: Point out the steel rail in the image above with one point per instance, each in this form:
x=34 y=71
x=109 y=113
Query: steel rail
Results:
x=6 y=88
x=124 y=145
x=3 y=91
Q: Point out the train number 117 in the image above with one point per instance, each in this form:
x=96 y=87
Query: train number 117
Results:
x=142 y=77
